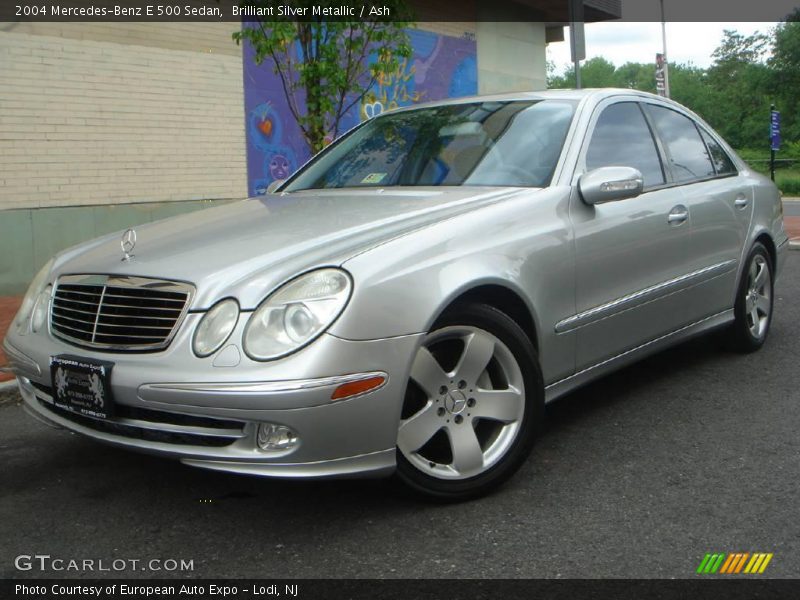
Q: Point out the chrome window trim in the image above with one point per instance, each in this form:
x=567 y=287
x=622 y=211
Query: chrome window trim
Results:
x=130 y=281
x=642 y=296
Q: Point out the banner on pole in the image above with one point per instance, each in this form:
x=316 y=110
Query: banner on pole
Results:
x=775 y=130
x=661 y=86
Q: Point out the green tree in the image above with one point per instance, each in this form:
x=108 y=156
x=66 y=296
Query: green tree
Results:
x=734 y=94
x=636 y=76
x=595 y=72
x=739 y=78
x=326 y=66
x=689 y=86
x=785 y=65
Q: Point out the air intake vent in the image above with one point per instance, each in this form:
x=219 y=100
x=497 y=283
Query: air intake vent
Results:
x=132 y=314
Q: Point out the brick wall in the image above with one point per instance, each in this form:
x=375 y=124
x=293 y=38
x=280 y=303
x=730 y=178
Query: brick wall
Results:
x=112 y=115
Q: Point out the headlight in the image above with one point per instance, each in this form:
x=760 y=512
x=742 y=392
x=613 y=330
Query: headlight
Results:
x=215 y=327
x=22 y=319
x=296 y=314
x=41 y=308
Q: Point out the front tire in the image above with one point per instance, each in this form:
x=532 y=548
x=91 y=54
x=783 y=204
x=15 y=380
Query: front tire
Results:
x=754 y=302
x=473 y=405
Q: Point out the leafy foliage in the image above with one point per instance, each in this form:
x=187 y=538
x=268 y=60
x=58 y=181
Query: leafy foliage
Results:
x=749 y=74
x=326 y=66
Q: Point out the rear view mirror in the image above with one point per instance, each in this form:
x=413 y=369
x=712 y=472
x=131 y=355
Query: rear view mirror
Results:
x=609 y=184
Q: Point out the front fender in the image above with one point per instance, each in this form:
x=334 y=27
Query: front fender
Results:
x=524 y=245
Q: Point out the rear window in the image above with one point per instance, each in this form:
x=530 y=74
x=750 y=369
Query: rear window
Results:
x=723 y=164
x=688 y=156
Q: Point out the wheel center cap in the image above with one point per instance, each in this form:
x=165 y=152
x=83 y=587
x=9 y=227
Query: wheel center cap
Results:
x=455 y=402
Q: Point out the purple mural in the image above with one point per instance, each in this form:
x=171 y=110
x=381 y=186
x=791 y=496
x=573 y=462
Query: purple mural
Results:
x=442 y=67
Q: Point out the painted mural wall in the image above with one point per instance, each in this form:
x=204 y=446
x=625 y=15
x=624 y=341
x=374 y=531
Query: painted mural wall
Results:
x=441 y=67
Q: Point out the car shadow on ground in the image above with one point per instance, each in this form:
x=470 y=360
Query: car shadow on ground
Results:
x=631 y=384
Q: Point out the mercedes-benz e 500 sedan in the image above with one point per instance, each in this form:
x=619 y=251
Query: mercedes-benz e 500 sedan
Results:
x=409 y=300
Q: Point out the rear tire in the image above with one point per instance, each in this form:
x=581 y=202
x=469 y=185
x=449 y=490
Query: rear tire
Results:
x=754 y=302
x=473 y=405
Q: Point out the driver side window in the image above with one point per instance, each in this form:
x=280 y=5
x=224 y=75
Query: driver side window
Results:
x=622 y=138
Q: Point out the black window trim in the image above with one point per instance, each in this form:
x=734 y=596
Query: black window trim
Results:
x=702 y=130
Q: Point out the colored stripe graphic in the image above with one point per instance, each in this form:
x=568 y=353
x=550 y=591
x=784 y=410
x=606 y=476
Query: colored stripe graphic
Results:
x=734 y=563
x=741 y=562
x=764 y=564
x=703 y=563
x=727 y=565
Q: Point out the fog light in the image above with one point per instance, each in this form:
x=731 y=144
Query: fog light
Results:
x=276 y=437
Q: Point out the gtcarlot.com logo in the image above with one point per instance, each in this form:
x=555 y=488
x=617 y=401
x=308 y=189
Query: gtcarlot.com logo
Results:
x=734 y=563
x=45 y=562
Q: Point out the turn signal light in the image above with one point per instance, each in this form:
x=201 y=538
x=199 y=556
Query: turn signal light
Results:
x=356 y=388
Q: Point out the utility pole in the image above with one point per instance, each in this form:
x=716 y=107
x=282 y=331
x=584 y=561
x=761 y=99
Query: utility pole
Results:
x=664 y=50
x=577 y=39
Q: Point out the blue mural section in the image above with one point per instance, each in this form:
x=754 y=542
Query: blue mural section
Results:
x=441 y=67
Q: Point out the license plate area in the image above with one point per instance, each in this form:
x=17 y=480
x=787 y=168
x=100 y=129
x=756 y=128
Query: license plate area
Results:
x=82 y=386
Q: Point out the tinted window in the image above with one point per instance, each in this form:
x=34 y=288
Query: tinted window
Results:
x=479 y=143
x=622 y=138
x=722 y=162
x=688 y=156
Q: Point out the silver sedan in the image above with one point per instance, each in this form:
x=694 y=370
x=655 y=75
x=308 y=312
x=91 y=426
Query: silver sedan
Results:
x=411 y=298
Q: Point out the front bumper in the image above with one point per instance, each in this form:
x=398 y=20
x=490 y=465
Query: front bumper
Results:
x=171 y=403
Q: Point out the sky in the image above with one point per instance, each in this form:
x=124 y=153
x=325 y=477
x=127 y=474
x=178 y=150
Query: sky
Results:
x=639 y=42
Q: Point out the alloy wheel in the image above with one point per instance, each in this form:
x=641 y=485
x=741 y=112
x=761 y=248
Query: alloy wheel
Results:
x=469 y=404
x=758 y=300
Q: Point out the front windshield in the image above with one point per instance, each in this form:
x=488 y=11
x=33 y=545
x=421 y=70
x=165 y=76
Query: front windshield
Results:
x=513 y=143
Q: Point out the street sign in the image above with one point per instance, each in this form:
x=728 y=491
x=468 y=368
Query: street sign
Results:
x=577 y=41
x=577 y=38
x=775 y=131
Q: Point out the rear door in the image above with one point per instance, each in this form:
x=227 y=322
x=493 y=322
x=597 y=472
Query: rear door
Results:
x=719 y=201
x=632 y=253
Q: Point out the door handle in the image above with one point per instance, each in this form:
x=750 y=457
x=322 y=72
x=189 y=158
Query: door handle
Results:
x=741 y=202
x=678 y=215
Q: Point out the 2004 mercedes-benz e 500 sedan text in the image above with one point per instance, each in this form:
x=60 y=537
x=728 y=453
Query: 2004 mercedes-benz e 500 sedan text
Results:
x=409 y=300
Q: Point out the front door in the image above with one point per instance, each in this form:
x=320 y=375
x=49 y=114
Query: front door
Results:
x=631 y=255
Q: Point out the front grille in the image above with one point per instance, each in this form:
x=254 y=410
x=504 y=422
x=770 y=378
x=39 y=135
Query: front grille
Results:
x=118 y=313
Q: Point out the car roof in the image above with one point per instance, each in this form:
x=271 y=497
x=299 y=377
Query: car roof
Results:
x=594 y=94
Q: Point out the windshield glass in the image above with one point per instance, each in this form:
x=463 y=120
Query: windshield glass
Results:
x=513 y=143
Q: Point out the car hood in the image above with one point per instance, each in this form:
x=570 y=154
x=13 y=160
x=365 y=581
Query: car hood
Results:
x=248 y=248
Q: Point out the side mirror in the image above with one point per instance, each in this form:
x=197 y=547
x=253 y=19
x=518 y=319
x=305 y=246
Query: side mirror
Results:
x=609 y=184
x=274 y=185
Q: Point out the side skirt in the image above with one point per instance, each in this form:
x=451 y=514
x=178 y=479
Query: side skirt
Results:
x=568 y=384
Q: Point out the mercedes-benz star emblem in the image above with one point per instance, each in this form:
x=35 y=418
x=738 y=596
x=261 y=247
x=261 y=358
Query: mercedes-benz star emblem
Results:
x=128 y=243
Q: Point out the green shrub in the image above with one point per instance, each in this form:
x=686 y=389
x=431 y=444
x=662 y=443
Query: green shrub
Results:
x=788 y=181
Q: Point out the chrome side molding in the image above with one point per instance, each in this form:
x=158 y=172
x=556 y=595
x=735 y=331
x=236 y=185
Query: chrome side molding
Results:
x=643 y=296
